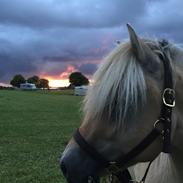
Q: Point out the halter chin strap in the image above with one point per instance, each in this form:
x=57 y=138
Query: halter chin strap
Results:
x=162 y=127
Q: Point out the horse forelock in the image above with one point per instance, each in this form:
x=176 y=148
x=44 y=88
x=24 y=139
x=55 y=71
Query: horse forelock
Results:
x=119 y=87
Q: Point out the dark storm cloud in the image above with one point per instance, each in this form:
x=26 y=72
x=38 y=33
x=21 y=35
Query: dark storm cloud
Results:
x=13 y=64
x=88 y=68
x=45 y=36
x=71 y=13
x=163 y=19
x=74 y=54
x=41 y=51
x=13 y=61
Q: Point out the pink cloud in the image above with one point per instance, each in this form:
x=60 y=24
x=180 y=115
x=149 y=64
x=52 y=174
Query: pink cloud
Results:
x=67 y=72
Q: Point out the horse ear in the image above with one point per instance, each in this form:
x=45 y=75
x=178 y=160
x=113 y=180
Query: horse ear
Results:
x=136 y=44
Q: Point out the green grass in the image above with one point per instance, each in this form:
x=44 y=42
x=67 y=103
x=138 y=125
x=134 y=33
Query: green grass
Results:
x=34 y=129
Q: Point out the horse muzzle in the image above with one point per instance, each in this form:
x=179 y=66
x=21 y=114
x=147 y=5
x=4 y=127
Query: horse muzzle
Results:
x=77 y=167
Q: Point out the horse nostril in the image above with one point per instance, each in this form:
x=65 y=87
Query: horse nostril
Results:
x=63 y=168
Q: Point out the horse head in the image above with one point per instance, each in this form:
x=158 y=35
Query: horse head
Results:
x=121 y=107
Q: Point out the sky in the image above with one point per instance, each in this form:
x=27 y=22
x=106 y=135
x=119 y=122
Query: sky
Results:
x=53 y=38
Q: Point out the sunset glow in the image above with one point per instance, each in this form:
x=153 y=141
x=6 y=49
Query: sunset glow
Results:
x=60 y=80
x=65 y=75
x=58 y=83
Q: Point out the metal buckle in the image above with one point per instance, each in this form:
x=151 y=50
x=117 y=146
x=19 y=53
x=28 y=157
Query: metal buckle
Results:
x=170 y=92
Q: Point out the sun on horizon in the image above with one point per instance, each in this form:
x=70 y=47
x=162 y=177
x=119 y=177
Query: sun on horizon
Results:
x=55 y=83
x=61 y=80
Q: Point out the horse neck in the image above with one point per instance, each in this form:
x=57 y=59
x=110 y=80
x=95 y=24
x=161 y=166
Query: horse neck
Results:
x=168 y=168
x=177 y=118
x=165 y=169
x=174 y=162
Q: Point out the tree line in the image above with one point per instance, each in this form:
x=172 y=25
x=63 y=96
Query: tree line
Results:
x=75 y=79
x=78 y=79
x=39 y=82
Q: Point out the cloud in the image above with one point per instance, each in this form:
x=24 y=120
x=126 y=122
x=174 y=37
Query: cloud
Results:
x=88 y=68
x=163 y=19
x=46 y=37
x=31 y=51
x=67 y=72
x=71 y=13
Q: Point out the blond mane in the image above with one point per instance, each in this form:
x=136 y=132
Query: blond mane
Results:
x=119 y=86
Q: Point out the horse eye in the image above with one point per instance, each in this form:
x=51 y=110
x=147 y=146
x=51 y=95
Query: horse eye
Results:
x=159 y=54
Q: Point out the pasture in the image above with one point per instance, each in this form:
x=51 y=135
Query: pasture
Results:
x=34 y=129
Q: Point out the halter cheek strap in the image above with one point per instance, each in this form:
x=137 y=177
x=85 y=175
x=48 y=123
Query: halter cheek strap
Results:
x=168 y=101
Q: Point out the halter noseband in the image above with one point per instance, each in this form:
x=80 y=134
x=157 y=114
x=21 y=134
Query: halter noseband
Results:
x=162 y=127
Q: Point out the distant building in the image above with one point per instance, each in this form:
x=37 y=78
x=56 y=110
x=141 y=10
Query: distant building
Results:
x=28 y=86
x=80 y=90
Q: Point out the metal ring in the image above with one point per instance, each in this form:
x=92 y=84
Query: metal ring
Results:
x=156 y=122
x=155 y=126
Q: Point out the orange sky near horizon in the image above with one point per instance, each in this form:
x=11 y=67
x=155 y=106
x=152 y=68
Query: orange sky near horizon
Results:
x=58 y=82
x=62 y=80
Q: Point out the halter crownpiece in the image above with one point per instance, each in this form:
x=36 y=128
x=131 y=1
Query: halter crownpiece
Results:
x=162 y=126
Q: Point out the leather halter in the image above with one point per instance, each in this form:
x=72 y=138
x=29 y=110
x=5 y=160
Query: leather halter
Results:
x=162 y=127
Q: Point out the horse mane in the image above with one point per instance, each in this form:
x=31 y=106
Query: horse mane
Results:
x=119 y=87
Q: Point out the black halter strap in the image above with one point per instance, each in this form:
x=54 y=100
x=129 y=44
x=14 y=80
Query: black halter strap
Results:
x=90 y=150
x=168 y=97
x=162 y=127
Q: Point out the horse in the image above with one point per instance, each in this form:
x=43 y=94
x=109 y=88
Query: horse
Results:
x=122 y=107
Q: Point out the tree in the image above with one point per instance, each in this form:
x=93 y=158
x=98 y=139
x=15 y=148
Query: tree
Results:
x=34 y=80
x=78 y=79
x=43 y=83
x=17 y=80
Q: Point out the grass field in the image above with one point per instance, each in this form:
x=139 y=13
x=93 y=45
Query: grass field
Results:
x=34 y=129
